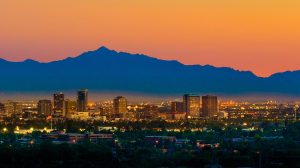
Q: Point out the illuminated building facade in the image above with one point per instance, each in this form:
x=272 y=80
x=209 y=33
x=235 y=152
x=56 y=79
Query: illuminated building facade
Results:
x=191 y=105
x=82 y=100
x=45 y=107
x=209 y=106
x=176 y=106
x=58 y=102
x=2 y=108
x=120 y=105
x=70 y=107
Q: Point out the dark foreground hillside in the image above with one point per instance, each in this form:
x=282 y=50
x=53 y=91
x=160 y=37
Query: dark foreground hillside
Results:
x=89 y=155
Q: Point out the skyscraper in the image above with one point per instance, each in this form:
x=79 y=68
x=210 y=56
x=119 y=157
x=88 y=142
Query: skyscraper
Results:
x=69 y=107
x=45 y=107
x=2 y=108
x=120 y=105
x=82 y=100
x=191 y=105
x=58 y=101
x=176 y=107
x=209 y=106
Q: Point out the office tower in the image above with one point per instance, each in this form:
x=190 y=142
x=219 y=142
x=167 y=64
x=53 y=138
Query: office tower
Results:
x=176 y=107
x=120 y=105
x=45 y=107
x=2 y=108
x=191 y=105
x=82 y=100
x=209 y=106
x=58 y=101
x=69 y=107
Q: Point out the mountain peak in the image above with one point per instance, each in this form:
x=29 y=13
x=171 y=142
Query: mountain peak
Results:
x=30 y=61
x=103 y=49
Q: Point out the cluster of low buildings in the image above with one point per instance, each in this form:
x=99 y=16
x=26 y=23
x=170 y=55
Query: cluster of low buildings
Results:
x=59 y=137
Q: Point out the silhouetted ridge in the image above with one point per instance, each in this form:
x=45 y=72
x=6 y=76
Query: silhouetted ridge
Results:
x=106 y=69
x=103 y=49
x=30 y=61
x=3 y=60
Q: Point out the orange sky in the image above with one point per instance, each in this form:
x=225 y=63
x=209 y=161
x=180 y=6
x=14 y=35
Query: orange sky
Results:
x=258 y=35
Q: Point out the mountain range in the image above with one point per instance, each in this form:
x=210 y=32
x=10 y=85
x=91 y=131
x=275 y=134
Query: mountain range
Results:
x=109 y=70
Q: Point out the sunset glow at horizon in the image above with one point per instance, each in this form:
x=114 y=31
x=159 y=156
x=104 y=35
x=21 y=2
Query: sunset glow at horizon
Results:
x=260 y=36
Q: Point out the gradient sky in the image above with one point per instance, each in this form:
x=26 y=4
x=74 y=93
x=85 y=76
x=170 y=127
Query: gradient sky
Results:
x=258 y=35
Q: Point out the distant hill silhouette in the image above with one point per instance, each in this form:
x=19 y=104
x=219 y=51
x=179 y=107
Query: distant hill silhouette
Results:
x=106 y=70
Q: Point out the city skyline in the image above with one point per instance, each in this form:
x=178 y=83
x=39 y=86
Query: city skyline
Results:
x=219 y=32
x=191 y=107
x=95 y=96
x=140 y=83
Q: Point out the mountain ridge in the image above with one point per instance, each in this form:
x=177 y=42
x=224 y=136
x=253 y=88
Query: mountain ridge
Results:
x=107 y=49
x=105 y=69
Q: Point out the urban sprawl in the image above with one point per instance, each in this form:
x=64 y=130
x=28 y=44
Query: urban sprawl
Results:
x=196 y=131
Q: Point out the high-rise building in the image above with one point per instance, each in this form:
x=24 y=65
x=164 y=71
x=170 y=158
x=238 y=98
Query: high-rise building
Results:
x=58 y=102
x=2 y=108
x=70 y=106
x=176 y=107
x=120 y=105
x=45 y=107
x=209 y=106
x=191 y=105
x=82 y=100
